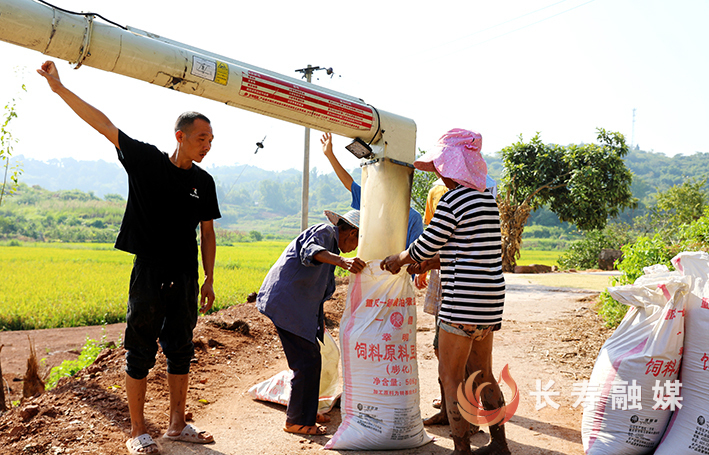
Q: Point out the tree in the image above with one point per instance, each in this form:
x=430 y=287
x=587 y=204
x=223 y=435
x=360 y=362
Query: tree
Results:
x=680 y=204
x=6 y=147
x=112 y=197
x=582 y=184
x=420 y=185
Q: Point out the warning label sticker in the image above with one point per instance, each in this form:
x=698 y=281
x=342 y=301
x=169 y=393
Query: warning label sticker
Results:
x=222 y=73
x=307 y=101
x=212 y=70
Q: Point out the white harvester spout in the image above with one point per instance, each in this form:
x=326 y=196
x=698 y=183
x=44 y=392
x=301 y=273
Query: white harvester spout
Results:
x=83 y=39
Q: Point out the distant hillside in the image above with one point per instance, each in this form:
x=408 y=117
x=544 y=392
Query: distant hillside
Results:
x=102 y=178
x=657 y=172
x=99 y=177
x=653 y=172
x=254 y=199
x=251 y=199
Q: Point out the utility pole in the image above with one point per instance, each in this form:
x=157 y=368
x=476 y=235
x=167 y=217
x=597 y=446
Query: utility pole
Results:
x=307 y=75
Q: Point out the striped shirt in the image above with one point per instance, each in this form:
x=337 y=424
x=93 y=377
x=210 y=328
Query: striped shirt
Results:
x=466 y=231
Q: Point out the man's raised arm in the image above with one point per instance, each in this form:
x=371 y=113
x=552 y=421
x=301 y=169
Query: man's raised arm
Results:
x=95 y=118
x=340 y=171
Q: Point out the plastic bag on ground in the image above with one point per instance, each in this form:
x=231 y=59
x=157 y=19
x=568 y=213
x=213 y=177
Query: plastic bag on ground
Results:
x=277 y=389
x=688 y=431
x=380 y=397
x=629 y=396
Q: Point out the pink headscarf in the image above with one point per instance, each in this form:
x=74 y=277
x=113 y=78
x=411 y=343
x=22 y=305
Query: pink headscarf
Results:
x=457 y=157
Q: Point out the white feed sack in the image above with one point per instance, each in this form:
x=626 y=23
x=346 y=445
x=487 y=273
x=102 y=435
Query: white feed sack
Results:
x=633 y=386
x=688 y=431
x=380 y=396
x=277 y=389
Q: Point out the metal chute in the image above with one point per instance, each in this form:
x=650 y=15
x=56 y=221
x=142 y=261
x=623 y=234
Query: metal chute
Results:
x=82 y=39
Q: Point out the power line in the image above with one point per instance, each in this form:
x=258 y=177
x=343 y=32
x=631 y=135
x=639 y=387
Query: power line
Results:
x=259 y=145
x=506 y=33
x=494 y=26
x=529 y=25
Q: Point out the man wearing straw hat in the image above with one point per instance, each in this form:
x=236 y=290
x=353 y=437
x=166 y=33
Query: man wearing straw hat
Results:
x=292 y=296
x=465 y=233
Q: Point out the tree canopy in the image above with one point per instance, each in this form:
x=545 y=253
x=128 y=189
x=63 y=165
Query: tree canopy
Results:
x=420 y=186
x=583 y=184
x=681 y=204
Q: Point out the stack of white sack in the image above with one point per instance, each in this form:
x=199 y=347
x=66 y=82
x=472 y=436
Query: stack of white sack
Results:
x=380 y=396
x=688 y=431
x=635 y=376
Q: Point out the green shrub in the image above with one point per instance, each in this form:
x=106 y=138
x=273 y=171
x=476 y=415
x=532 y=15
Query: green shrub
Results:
x=695 y=236
x=643 y=253
x=610 y=309
x=97 y=223
x=88 y=355
x=584 y=253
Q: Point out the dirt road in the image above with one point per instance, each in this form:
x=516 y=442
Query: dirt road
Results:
x=547 y=431
x=548 y=334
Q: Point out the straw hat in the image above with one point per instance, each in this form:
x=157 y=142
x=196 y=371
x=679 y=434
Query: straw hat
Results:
x=457 y=157
x=351 y=217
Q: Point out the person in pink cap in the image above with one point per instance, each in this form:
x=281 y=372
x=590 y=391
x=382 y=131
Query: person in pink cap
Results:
x=464 y=239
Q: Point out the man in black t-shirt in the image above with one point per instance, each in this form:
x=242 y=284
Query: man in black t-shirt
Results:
x=168 y=197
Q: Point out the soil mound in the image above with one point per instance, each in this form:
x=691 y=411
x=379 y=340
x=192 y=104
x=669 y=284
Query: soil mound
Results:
x=88 y=413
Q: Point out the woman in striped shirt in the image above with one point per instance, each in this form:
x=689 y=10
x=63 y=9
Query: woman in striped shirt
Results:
x=464 y=238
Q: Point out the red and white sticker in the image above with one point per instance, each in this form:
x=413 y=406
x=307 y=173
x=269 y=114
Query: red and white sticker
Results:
x=307 y=101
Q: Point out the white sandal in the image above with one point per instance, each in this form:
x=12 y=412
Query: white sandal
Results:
x=190 y=434
x=134 y=445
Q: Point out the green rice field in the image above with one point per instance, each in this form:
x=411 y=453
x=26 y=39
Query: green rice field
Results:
x=70 y=285
x=528 y=257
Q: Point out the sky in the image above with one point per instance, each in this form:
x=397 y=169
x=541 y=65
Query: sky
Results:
x=506 y=68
